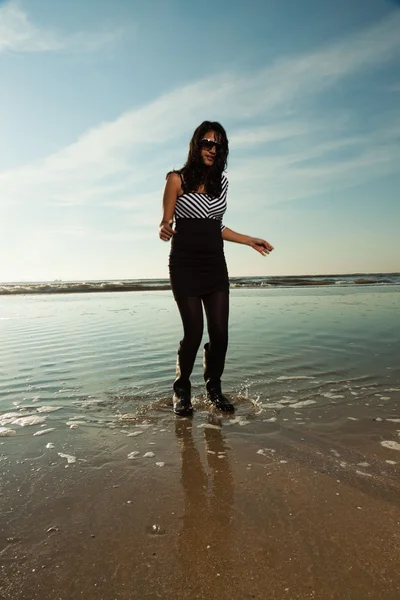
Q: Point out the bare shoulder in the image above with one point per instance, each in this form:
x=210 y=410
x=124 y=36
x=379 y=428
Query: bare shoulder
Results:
x=173 y=176
x=174 y=183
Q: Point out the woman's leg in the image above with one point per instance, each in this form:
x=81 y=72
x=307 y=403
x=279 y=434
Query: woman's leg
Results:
x=217 y=311
x=191 y=312
x=216 y=306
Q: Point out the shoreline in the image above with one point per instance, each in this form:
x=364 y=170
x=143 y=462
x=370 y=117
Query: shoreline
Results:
x=236 y=283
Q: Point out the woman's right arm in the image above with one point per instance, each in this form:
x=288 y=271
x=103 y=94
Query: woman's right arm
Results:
x=171 y=193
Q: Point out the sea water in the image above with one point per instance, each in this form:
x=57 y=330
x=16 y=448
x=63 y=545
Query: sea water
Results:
x=71 y=359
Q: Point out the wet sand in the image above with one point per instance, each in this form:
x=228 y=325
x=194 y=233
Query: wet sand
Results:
x=299 y=511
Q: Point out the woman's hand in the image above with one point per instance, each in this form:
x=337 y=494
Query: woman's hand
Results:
x=165 y=231
x=262 y=246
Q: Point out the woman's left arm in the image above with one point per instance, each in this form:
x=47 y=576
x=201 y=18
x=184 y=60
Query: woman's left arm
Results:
x=262 y=246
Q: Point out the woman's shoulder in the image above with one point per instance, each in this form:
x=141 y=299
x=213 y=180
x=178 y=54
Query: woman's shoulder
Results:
x=175 y=181
x=175 y=178
x=175 y=175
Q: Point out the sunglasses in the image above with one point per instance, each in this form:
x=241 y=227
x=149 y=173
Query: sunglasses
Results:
x=209 y=144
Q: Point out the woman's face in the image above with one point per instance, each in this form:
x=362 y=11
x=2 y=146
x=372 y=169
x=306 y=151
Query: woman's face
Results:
x=208 y=153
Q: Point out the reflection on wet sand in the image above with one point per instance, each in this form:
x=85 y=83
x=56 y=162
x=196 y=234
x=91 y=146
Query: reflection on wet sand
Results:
x=220 y=520
x=205 y=538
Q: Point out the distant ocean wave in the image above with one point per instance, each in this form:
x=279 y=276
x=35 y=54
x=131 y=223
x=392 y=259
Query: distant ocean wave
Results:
x=134 y=285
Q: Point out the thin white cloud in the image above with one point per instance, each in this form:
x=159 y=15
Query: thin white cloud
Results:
x=273 y=132
x=19 y=34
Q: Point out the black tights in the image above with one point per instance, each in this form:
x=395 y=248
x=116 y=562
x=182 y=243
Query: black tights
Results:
x=216 y=307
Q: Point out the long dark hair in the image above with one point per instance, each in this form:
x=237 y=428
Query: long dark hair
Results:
x=195 y=173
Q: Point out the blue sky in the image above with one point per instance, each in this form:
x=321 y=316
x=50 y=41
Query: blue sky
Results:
x=99 y=99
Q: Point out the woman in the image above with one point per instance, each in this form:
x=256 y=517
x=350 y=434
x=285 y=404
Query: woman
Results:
x=195 y=196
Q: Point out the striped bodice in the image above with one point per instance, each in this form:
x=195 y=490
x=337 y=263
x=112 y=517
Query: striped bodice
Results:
x=198 y=205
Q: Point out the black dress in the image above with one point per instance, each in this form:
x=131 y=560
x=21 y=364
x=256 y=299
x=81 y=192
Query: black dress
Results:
x=197 y=265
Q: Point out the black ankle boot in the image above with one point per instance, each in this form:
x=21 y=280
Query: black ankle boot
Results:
x=182 y=389
x=213 y=368
x=182 y=402
x=215 y=395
